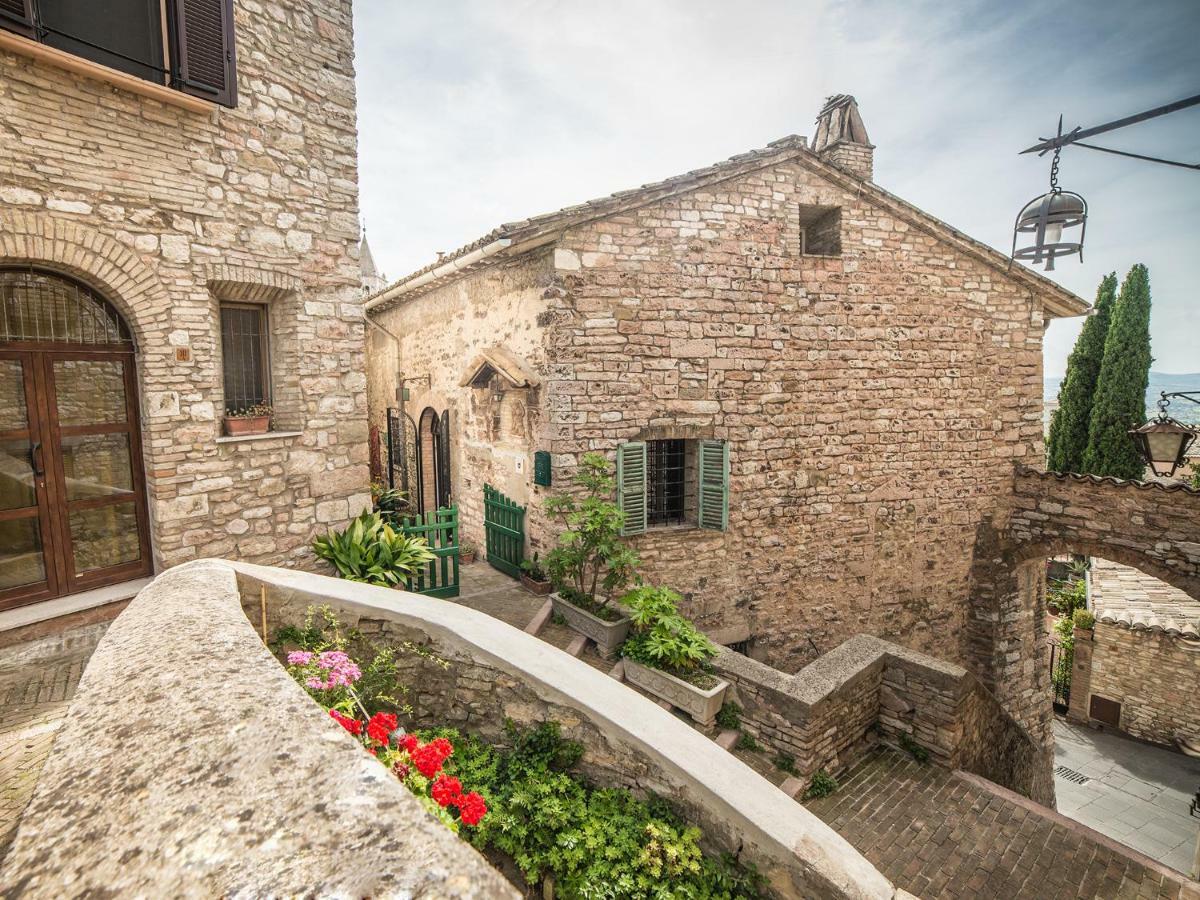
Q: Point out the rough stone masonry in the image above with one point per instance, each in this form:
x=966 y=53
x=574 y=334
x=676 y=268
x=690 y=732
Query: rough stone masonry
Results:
x=167 y=211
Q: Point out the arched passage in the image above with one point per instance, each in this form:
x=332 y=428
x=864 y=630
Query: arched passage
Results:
x=433 y=460
x=72 y=485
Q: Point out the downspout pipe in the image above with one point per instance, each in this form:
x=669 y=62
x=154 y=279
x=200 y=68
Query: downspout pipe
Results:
x=455 y=265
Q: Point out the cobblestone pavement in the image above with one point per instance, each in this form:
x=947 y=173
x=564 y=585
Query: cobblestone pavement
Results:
x=34 y=697
x=1134 y=793
x=936 y=835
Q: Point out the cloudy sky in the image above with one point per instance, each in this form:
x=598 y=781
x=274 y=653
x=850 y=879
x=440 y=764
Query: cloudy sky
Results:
x=476 y=113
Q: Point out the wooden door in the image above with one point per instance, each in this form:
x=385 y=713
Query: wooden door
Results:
x=72 y=486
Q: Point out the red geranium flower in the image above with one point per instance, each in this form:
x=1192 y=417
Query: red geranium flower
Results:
x=446 y=790
x=381 y=726
x=443 y=747
x=428 y=759
x=409 y=742
x=351 y=725
x=472 y=808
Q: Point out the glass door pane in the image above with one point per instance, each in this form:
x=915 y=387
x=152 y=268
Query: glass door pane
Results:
x=22 y=556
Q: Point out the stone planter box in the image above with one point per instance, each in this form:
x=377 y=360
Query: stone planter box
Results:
x=541 y=588
x=252 y=425
x=701 y=705
x=607 y=635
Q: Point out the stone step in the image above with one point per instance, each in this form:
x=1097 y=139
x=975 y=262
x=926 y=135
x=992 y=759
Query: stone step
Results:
x=540 y=619
x=792 y=786
x=727 y=739
x=576 y=647
x=618 y=671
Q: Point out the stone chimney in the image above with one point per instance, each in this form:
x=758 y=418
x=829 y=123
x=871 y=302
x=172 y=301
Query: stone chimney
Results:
x=842 y=138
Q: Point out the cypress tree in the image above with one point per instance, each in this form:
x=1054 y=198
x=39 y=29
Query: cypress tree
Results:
x=1069 y=425
x=1120 y=402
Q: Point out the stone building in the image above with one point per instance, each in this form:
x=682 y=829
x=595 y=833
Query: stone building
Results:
x=817 y=390
x=1138 y=670
x=178 y=239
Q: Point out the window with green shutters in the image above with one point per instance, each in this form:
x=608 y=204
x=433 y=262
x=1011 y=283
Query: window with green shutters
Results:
x=663 y=483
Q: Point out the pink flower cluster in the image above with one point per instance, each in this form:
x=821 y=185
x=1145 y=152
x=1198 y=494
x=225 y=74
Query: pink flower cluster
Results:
x=340 y=670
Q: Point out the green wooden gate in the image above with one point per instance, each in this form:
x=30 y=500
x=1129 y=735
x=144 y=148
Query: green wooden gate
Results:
x=504 y=524
x=439 y=577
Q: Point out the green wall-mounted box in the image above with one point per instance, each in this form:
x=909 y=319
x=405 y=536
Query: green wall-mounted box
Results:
x=541 y=468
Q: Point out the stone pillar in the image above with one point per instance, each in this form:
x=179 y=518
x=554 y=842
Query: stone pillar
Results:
x=1081 y=676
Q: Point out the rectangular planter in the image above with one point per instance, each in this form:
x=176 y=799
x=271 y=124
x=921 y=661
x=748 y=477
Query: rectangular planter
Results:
x=607 y=635
x=701 y=705
x=541 y=588
x=235 y=427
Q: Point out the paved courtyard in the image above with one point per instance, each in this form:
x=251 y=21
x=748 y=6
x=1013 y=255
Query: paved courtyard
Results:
x=1134 y=793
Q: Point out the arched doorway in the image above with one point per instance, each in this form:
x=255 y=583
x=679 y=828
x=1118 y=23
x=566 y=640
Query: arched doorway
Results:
x=72 y=486
x=433 y=460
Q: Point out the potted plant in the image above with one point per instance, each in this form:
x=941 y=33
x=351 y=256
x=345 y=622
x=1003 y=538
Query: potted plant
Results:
x=591 y=564
x=253 y=419
x=466 y=552
x=534 y=577
x=667 y=655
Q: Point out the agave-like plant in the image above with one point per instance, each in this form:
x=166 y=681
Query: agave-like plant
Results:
x=372 y=551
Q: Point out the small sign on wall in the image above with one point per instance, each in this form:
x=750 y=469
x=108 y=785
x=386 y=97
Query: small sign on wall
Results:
x=541 y=468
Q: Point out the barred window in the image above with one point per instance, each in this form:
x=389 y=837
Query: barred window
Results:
x=245 y=355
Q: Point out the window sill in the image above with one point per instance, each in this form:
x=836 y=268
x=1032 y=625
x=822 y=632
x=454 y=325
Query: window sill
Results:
x=63 y=60
x=265 y=436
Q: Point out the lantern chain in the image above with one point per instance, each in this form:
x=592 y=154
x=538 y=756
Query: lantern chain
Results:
x=1054 y=188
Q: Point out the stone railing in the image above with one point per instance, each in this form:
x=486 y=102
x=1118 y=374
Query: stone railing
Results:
x=192 y=764
x=829 y=714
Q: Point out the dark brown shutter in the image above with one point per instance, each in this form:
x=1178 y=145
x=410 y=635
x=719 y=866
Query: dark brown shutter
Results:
x=17 y=15
x=203 y=58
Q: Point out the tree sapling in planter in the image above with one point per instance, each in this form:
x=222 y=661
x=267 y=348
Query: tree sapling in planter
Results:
x=591 y=564
x=534 y=577
x=668 y=656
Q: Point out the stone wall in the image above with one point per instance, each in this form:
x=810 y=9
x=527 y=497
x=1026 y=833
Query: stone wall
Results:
x=166 y=211
x=1155 y=677
x=827 y=715
x=497 y=672
x=874 y=402
x=494 y=428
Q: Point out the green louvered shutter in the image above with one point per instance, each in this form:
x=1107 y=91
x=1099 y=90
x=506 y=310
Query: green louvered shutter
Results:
x=714 y=485
x=631 y=486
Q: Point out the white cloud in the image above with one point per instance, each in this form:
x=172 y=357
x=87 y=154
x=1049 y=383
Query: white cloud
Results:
x=476 y=113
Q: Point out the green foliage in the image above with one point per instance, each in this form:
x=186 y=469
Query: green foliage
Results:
x=1120 y=400
x=591 y=561
x=785 y=762
x=822 y=785
x=534 y=569
x=912 y=748
x=597 y=843
x=391 y=503
x=372 y=551
x=729 y=716
x=1064 y=630
x=379 y=689
x=1069 y=425
x=662 y=637
x=1195 y=482
x=1068 y=596
x=746 y=741
x=1085 y=619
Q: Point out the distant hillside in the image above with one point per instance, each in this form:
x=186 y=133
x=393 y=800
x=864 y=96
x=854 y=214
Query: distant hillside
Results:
x=1159 y=381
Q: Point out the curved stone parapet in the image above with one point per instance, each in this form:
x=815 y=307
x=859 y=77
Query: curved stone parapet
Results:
x=192 y=764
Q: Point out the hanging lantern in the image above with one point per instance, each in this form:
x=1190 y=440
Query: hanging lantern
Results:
x=1040 y=225
x=1163 y=442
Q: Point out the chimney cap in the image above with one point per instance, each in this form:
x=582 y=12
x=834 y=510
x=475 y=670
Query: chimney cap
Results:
x=839 y=121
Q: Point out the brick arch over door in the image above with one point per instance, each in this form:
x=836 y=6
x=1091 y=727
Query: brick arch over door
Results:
x=93 y=258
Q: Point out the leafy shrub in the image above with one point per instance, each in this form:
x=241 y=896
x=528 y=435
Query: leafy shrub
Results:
x=1068 y=596
x=372 y=551
x=591 y=564
x=913 y=749
x=746 y=741
x=785 y=762
x=729 y=716
x=662 y=637
x=822 y=785
x=391 y=503
x=596 y=842
x=534 y=569
x=1084 y=618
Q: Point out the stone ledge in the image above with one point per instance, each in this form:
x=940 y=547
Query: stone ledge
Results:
x=266 y=436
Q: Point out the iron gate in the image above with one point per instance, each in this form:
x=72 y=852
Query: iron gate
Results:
x=397 y=450
x=504 y=526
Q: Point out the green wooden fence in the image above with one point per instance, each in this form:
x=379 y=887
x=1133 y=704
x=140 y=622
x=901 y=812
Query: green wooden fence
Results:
x=504 y=525
x=439 y=577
